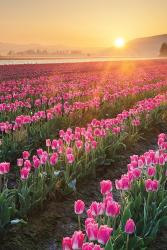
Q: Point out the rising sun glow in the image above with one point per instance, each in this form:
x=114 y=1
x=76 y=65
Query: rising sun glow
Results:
x=119 y=42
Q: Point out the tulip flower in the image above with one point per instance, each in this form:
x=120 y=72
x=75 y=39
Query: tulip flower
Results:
x=4 y=167
x=54 y=159
x=70 y=158
x=26 y=155
x=88 y=246
x=106 y=187
x=24 y=172
x=20 y=162
x=151 y=185
x=77 y=240
x=130 y=226
x=112 y=209
x=92 y=231
x=104 y=234
x=36 y=163
x=67 y=243
x=151 y=171
x=79 y=207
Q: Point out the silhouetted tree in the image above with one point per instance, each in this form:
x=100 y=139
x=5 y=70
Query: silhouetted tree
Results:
x=163 y=49
x=11 y=53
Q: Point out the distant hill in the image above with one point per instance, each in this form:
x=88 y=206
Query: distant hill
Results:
x=139 y=47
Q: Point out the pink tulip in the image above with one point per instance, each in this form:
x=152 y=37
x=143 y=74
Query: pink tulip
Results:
x=97 y=247
x=70 y=158
x=106 y=186
x=69 y=151
x=123 y=184
x=77 y=240
x=162 y=160
x=91 y=231
x=151 y=171
x=112 y=209
x=26 y=155
x=95 y=208
x=130 y=226
x=36 y=163
x=104 y=234
x=4 y=167
x=79 y=207
x=54 y=144
x=20 y=162
x=88 y=246
x=155 y=185
x=87 y=147
x=43 y=158
x=89 y=220
x=27 y=164
x=48 y=142
x=53 y=159
x=151 y=185
x=94 y=144
x=24 y=172
x=148 y=185
x=39 y=152
x=79 y=144
x=67 y=243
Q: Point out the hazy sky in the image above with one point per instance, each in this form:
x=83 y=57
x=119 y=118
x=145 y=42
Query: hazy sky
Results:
x=80 y=23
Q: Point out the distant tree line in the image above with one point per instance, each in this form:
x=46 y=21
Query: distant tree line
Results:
x=39 y=52
x=29 y=52
x=163 y=49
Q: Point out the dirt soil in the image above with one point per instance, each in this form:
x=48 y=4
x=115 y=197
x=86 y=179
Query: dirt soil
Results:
x=45 y=229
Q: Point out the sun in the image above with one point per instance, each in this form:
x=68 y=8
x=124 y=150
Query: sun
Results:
x=119 y=42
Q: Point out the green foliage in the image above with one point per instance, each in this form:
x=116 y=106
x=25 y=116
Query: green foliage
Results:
x=7 y=208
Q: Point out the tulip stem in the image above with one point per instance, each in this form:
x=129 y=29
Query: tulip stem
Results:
x=108 y=221
x=148 y=199
x=0 y=182
x=79 y=222
x=127 y=242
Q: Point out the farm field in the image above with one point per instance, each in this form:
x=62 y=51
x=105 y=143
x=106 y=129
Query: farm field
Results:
x=83 y=156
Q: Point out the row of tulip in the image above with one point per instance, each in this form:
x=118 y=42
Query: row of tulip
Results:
x=134 y=220
x=39 y=125
x=77 y=150
x=69 y=142
x=73 y=155
x=58 y=109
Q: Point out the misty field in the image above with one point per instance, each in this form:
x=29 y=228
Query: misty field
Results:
x=83 y=156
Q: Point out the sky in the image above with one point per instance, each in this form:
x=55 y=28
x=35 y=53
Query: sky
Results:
x=80 y=23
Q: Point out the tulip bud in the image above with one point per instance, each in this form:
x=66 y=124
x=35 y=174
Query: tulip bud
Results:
x=130 y=226
x=79 y=207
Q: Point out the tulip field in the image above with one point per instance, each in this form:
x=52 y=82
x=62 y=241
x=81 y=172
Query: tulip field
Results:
x=58 y=125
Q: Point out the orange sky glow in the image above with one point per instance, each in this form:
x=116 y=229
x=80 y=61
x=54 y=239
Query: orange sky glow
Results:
x=80 y=23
